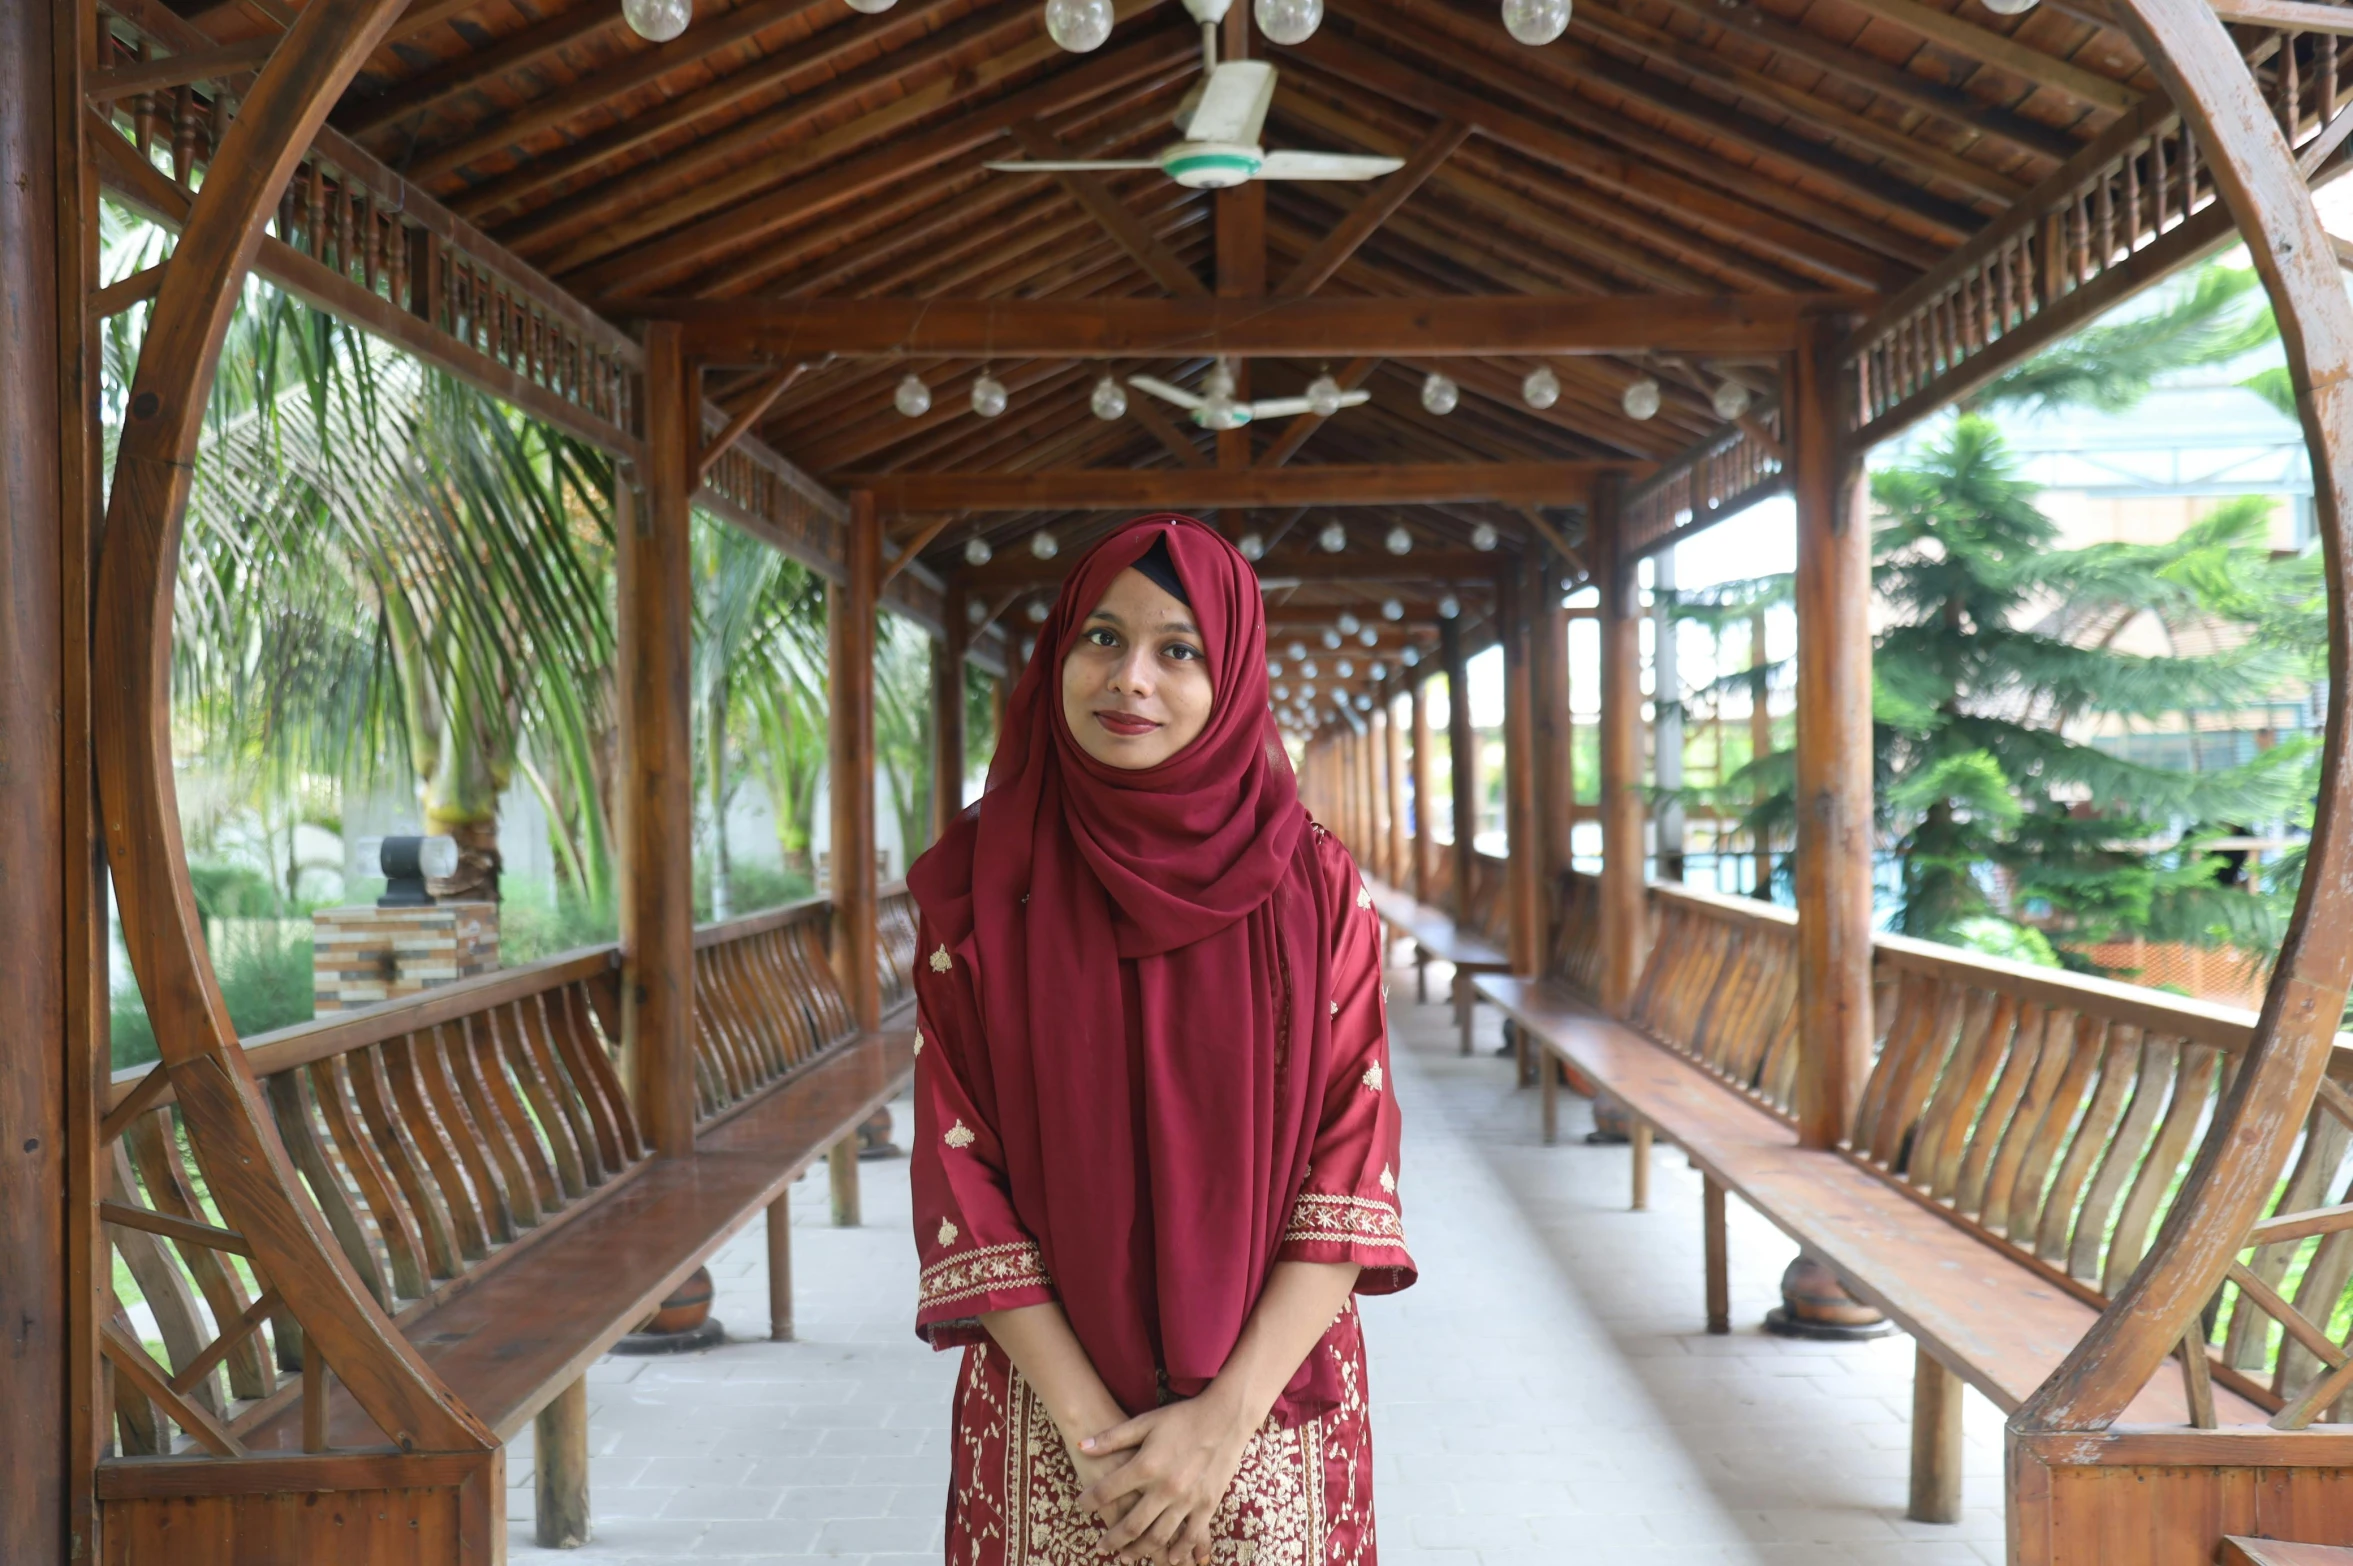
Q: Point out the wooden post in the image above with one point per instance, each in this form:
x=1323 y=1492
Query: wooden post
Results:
x=1463 y=757
x=1369 y=747
x=849 y=624
x=1556 y=794
x=780 y=1268
x=1622 y=908
x=51 y=905
x=559 y=1469
x=841 y=1175
x=1936 y=1441
x=1524 y=836
x=1638 y=1135
x=1393 y=784
x=1719 y=1269
x=1425 y=842
x=947 y=710
x=1760 y=743
x=1666 y=722
x=1833 y=751
x=657 y=871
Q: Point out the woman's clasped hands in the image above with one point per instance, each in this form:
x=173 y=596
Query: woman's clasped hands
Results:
x=1158 y=1479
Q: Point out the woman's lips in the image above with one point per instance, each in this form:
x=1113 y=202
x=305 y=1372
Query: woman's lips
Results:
x=1125 y=724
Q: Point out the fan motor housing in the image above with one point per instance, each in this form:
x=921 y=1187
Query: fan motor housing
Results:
x=1212 y=165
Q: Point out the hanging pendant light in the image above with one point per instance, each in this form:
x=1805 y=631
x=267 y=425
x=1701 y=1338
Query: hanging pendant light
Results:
x=1410 y=656
x=1379 y=671
x=1483 y=537
x=1334 y=538
x=1036 y=611
x=1369 y=637
x=1344 y=669
x=912 y=398
x=1399 y=541
x=1731 y=401
x=988 y=396
x=1391 y=609
x=1044 y=545
x=1439 y=394
x=1109 y=400
x=1541 y=389
x=975 y=612
x=1288 y=21
x=977 y=551
x=1449 y=607
x=1274 y=668
x=1297 y=651
x=1347 y=623
x=872 y=7
x=1323 y=396
x=657 y=21
x=1641 y=400
x=1331 y=638
x=1081 y=26
x=1252 y=546
x=1281 y=693
x=1536 y=22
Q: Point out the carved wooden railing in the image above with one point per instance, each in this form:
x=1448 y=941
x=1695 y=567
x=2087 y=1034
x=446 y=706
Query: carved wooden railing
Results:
x=1488 y=911
x=1733 y=468
x=894 y=939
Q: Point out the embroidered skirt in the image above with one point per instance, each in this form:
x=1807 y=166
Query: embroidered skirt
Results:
x=1303 y=1497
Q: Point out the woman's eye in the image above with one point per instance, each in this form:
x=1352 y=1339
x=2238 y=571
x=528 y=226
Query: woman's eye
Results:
x=1102 y=637
x=1181 y=651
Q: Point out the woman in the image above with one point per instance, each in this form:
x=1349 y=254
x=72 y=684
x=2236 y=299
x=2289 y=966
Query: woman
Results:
x=1155 y=1151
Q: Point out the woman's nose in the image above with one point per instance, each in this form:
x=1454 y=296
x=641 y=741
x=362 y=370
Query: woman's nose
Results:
x=1134 y=673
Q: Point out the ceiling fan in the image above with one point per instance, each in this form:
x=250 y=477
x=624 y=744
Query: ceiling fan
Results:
x=1221 y=147
x=1216 y=408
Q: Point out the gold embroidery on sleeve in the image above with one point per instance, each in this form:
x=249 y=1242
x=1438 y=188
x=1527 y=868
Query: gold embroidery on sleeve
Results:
x=1364 y=898
x=1388 y=1180
x=959 y=1135
x=948 y=1232
x=967 y=1274
x=918 y=1041
x=1344 y=1220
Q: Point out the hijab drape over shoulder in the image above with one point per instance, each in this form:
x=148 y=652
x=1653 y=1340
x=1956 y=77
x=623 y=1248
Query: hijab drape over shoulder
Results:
x=1131 y=980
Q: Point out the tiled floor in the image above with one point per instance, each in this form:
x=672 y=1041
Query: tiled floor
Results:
x=1544 y=1394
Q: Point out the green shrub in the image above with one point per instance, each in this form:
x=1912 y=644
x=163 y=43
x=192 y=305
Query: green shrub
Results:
x=265 y=976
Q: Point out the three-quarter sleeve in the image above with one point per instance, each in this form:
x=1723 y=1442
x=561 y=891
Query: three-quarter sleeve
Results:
x=974 y=1252
x=1348 y=1208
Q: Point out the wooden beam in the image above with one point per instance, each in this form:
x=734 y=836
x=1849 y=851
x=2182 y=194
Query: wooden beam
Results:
x=917 y=544
x=1295 y=434
x=1145 y=409
x=1469 y=566
x=1624 y=916
x=2007 y=54
x=178 y=70
x=1372 y=210
x=1083 y=489
x=741 y=331
x=2292 y=16
x=763 y=397
x=1093 y=192
x=515 y=52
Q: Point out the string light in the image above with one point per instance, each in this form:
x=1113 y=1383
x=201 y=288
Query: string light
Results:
x=1410 y=657
x=657 y=21
x=1036 y=611
x=1348 y=623
x=1369 y=636
x=912 y=398
x=1344 y=669
x=1252 y=546
x=1439 y=394
x=1044 y=545
x=1541 y=389
x=1641 y=400
x=1731 y=401
x=1399 y=541
x=1449 y=607
x=1334 y=538
x=1536 y=22
x=1331 y=638
x=1483 y=537
x=1288 y=21
x=1392 y=610
x=1081 y=26
x=977 y=551
x=1109 y=400
x=988 y=396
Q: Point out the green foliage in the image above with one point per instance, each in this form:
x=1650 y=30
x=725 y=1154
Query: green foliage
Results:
x=532 y=926
x=2211 y=317
x=264 y=968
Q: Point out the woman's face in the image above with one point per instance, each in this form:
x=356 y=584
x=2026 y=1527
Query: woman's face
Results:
x=1135 y=688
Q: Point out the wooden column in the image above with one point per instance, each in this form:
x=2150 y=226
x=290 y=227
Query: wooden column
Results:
x=849 y=626
x=1556 y=792
x=947 y=710
x=1760 y=743
x=1936 y=1441
x=1833 y=751
x=54 y=1059
x=1425 y=843
x=657 y=869
x=1622 y=910
x=1393 y=785
x=1463 y=756
x=1519 y=787
x=1375 y=823
x=1666 y=723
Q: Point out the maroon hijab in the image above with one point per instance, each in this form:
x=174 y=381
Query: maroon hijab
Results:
x=1152 y=959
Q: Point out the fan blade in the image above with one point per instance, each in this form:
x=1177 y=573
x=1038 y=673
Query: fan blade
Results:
x=1326 y=165
x=1073 y=168
x=1292 y=407
x=1234 y=104
x=1165 y=392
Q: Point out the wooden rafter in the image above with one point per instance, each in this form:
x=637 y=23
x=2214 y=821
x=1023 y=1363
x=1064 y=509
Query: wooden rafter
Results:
x=1094 y=193
x=1374 y=208
x=1534 y=483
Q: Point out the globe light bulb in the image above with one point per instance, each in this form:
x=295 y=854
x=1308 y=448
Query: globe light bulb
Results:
x=1281 y=693
x=1410 y=656
x=1036 y=611
x=1307 y=693
x=1334 y=538
x=1298 y=650
x=1731 y=401
x=872 y=7
x=1252 y=546
x=1369 y=637
x=988 y=396
x=1044 y=545
x=1641 y=400
x=913 y=398
x=977 y=551
x=1449 y=607
x=1307 y=672
x=1439 y=394
x=1323 y=396
x=1287 y=21
x=975 y=611
x=1541 y=389
x=1331 y=638
x=1109 y=400
x=1379 y=671
x=1081 y=26
x=1399 y=541
x=1347 y=623
x=1344 y=669
x=1274 y=668
x=2009 y=7
x=1364 y=703
x=1535 y=22
x=1483 y=537
x=1391 y=609
x=657 y=21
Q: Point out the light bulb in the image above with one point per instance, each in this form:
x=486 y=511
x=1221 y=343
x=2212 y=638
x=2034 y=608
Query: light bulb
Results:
x=1536 y=22
x=1044 y=545
x=1369 y=636
x=657 y=21
x=1399 y=541
x=988 y=396
x=1109 y=400
x=975 y=611
x=1282 y=693
x=1379 y=671
x=1483 y=537
x=1288 y=21
x=1274 y=668
x=1449 y=607
x=1731 y=401
x=872 y=7
x=1641 y=400
x=1252 y=546
x=1364 y=703
x=1323 y=396
x=1541 y=389
x=913 y=398
x=1347 y=623
x=1307 y=672
x=2009 y=7
x=1410 y=656
x=1439 y=394
x=1334 y=538
x=1297 y=650
x=1391 y=609
x=1331 y=638
x=1344 y=669
x=1036 y=611
x=977 y=551
x=1081 y=26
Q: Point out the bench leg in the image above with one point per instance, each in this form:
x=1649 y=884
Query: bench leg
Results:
x=780 y=1269
x=1711 y=1197
x=1639 y=1135
x=1936 y=1441
x=1421 y=977
x=1523 y=1057
x=1463 y=1001
x=1549 y=1085
x=559 y=1469
x=841 y=1170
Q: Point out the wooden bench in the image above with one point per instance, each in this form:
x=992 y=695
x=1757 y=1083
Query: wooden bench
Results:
x=481 y=1172
x=1438 y=937
x=2017 y=1145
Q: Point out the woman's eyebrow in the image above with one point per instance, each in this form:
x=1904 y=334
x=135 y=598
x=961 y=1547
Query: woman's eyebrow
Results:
x=1105 y=614
x=1185 y=627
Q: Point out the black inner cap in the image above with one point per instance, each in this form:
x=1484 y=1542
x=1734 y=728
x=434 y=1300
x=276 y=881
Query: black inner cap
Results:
x=1160 y=570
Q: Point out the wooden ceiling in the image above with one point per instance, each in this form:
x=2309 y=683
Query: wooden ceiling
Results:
x=1662 y=147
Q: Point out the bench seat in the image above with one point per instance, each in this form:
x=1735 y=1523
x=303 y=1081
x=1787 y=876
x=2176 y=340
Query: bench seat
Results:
x=1437 y=937
x=1983 y=1312
x=515 y=1336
